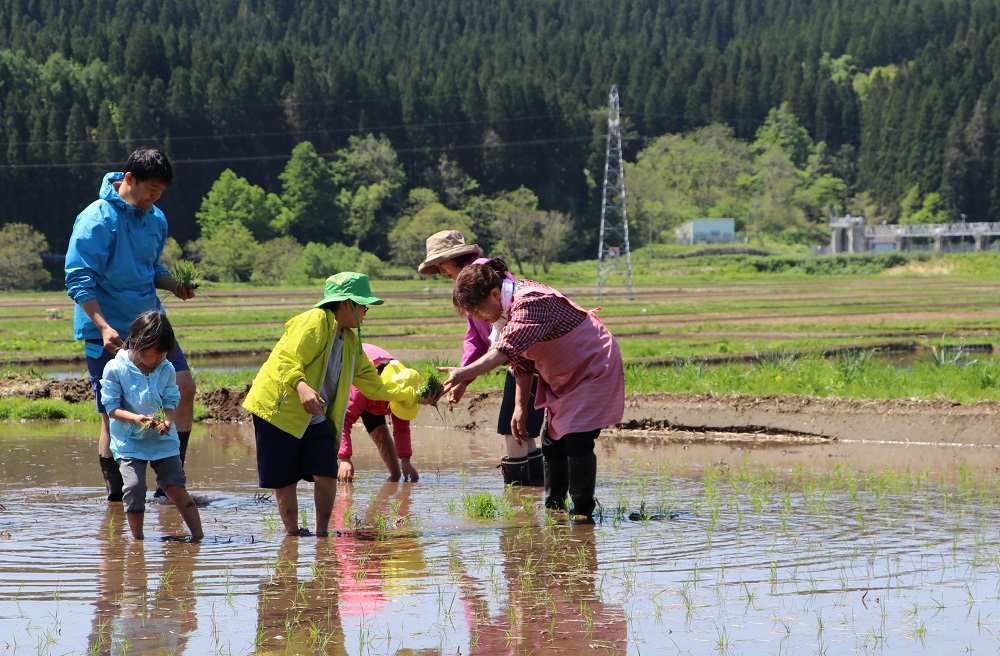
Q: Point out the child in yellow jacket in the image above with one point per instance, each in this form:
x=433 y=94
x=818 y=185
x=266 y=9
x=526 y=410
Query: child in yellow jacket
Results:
x=299 y=397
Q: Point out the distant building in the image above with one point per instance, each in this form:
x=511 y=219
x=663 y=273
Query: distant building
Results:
x=707 y=231
x=848 y=234
x=852 y=234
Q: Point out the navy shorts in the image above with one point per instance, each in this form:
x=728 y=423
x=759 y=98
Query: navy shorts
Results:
x=98 y=357
x=535 y=417
x=284 y=460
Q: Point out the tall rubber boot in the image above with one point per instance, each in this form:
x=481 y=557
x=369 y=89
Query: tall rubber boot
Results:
x=515 y=471
x=556 y=472
x=113 y=482
x=582 y=484
x=536 y=470
x=185 y=437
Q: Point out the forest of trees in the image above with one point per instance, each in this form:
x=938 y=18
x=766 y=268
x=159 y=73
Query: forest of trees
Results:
x=884 y=108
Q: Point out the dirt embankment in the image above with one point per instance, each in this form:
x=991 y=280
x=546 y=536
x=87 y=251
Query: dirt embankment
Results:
x=674 y=416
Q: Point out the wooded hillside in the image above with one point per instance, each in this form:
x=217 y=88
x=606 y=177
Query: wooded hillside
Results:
x=902 y=92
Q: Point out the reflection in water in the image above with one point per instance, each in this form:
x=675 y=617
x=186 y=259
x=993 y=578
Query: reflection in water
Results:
x=297 y=604
x=835 y=548
x=372 y=565
x=139 y=609
x=549 y=575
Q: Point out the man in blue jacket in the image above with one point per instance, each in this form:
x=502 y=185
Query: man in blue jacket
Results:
x=113 y=270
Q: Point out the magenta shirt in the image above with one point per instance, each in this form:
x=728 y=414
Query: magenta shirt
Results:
x=360 y=403
x=477 y=340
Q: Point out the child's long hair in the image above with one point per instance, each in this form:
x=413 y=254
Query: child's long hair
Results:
x=151 y=329
x=475 y=282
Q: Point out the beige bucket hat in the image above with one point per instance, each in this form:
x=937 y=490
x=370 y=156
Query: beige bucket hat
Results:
x=443 y=246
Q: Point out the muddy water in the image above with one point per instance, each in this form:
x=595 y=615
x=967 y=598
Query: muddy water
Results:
x=790 y=548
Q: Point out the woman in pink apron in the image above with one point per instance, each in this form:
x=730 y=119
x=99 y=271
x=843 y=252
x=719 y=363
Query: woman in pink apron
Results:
x=448 y=254
x=581 y=379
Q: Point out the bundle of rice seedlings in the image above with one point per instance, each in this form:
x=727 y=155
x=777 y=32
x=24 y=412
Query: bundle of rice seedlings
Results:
x=432 y=388
x=186 y=273
x=159 y=422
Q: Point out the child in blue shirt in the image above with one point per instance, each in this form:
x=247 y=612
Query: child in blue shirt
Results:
x=137 y=384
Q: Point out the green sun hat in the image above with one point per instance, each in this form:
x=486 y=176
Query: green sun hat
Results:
x=348 y=285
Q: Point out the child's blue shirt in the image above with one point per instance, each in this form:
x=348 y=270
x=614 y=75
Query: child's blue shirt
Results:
x=124 y=386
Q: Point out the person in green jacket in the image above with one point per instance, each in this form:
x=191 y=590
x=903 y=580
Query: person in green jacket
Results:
x=299 y=397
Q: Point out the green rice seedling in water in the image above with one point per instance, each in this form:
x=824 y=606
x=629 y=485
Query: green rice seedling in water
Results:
x=271 y=522
x=483 y=505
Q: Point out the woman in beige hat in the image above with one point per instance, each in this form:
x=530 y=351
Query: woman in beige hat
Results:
x=448 y=254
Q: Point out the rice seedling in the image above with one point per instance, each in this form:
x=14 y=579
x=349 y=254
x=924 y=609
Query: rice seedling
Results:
x=483 y=505
x=271 y=521
x=159 y=422
x=187 y=274
x=431 y=388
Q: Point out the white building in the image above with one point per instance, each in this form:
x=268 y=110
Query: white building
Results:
x=707 y=231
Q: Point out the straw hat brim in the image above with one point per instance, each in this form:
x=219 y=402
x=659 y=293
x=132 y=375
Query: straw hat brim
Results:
x=430 y=266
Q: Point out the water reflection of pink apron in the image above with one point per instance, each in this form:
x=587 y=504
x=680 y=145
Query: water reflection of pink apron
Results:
x=581 y=380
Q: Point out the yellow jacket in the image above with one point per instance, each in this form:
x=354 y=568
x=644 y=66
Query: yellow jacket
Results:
x=302 y=354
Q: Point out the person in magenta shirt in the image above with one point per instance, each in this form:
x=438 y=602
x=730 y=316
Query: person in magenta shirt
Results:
x=448 y=254
x=395 y=450
x=581 y=378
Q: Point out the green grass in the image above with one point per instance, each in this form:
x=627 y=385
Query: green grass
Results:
x=708 y=307
x=18 y=408
x=856 y=375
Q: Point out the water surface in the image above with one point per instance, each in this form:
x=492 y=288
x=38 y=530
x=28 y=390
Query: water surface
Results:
x=781 y=549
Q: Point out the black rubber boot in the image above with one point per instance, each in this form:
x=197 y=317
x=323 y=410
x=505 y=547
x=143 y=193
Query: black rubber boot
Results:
x=582 y=484
x=515 y=471
x=113 y=482
x=536 y=471
x=185 y=437
x=556 y=482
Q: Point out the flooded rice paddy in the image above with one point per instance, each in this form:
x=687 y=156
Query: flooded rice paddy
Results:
x=786 y=548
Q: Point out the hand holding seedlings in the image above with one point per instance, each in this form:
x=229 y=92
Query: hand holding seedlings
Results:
x=187 y=277
x=431 y=391
x=161 y=422
x=112 y=340
x=158 y=421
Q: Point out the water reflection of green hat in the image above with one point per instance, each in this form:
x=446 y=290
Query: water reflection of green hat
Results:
x=349 y=286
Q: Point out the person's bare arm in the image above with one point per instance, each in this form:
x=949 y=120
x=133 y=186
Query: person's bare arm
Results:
x=167 y=283
x=458 y=375
x=112 y=340
x=122 y=414
x=519 y=419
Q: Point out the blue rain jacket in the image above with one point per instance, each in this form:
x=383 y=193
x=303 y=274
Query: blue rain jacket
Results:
x=124 y=386
x=114 y=256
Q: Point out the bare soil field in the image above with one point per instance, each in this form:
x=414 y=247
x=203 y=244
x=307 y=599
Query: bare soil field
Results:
x=676 y=417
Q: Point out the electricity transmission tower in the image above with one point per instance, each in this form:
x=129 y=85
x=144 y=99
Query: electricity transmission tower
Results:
x=614 y=220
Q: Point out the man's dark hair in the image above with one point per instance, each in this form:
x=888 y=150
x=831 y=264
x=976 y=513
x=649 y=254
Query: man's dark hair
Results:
x=146 y=163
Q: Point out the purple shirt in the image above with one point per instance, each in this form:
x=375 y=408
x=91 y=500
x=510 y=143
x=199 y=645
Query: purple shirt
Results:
x=477 y=340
